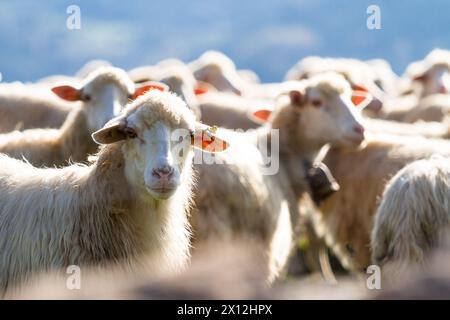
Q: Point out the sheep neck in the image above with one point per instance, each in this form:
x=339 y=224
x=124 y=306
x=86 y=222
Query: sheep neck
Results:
x=294 y=141
x=75 y=137
x=294 y=147
x=297 y=153
x=291 y=176
x=147 y=226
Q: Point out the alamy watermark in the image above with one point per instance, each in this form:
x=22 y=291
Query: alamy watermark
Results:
x=374 y=280
x=373 y=21
x=266 y=149
x=73 y=21
x=73 y=281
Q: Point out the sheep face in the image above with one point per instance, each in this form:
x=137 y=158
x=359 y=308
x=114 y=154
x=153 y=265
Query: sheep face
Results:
x=159 y=131
x=157 y=156
x=103 y=93
x=435 y=80
x=358 y=74
x=105 y=97
x=328 y=117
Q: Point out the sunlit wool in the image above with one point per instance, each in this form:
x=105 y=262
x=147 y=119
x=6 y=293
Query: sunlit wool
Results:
x=98 y=214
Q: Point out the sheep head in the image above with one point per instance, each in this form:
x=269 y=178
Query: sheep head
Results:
x=104 y=93
x=359 y=74
x=319 y=110
x=158 y=132
x=217 y=69
x=431 y=75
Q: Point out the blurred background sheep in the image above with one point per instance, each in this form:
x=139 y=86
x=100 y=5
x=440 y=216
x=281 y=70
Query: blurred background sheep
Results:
x=362 y=143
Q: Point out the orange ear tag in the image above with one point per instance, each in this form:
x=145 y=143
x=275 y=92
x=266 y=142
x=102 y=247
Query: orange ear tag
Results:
x=153 y=86
x=206 y=140
x=200 y=90
x=361 y=98
x=260 y=116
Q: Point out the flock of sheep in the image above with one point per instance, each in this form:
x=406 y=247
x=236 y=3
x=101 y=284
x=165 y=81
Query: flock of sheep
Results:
x=99 y=170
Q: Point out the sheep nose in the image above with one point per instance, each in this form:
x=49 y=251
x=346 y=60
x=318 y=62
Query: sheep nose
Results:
x=359 y=129
x=164 y=172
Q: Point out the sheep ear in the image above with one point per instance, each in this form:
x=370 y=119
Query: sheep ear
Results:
x=67 y=92
x=151 y=85
x=417 y=70
x=297 y=97
x=203 y=87
x=421 y=77
x=205 y=139
x=200 y=90
x=260 y=116
x=113 y=131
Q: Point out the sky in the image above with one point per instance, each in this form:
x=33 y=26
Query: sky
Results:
x=267 y=36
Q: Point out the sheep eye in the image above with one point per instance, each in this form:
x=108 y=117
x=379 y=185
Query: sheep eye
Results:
x=180 y=140
x=130 y=132
x=317 y=103
x=86 y=97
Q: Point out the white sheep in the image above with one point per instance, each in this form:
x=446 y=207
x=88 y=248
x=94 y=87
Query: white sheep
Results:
x=361 y=75
x=425 y=91
x=397 y=108
x=345 y=219
x=216 y=68
x=178 y=77
x=23 y=107
x=131 y=201
x=414 y=214
x=410 y=108
x=236 y=197
x=436 y=130
x=231 y=111
x=434 y=107
x=70 y=143
x=383 y=76
x=237 y=112
x=430 y=75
